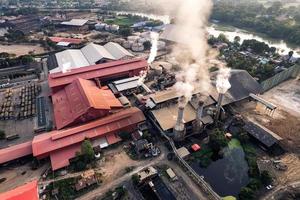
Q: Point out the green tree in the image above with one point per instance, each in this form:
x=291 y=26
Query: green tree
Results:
x=124 y=135
x=291 y=53
x=217 y=140
x=223 y=38
x=125 y=32
x=147 y=45
x=246 y=194
x=87 y=151
x=135 y=179
x=254 y=184
x=243 y=137
x=26 y=59
x=266 y=178
x=2 y=135
x=237 y=39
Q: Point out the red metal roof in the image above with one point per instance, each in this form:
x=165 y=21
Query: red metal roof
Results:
x=105 y=70
x=29 y=191
x=75 y=101
x=196 y=147
x=61 y=158
x=62 y=39
x=58 y=139
x=15 y=152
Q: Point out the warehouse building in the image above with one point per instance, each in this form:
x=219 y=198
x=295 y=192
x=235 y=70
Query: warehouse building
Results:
x=26 y=191
x=90 y=54
x=75 y=24
x=102 y=72
x=62 y=145
x=82 y=101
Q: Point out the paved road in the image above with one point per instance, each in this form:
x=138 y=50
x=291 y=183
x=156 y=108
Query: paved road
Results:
x=281 y=189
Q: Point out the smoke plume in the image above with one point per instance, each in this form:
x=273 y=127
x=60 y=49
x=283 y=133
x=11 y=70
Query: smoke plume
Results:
x=153 y=52
x=222 y=83
x=192 y=48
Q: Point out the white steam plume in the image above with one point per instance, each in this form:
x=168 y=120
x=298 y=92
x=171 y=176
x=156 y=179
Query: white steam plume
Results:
x=222 y=83
x=153 y=52
x=191 y=54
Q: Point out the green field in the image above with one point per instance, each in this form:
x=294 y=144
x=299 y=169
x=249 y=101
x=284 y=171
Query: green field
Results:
x=121 y=21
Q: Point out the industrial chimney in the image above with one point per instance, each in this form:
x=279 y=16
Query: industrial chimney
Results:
x=198 y=124
x=219 y=105
x=179 y=129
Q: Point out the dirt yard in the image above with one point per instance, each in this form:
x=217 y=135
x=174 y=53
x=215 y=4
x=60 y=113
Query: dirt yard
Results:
x=293 y=172
x=20 y=49
x=114 y=165
x=286 y=96
x=18 y=176
x=286 y=120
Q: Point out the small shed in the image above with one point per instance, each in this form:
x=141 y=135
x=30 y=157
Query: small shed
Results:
x=171 y=174
x=183 y=152
x=196 y=147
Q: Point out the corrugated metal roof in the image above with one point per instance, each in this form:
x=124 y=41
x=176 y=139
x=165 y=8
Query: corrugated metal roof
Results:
x=61 y=158
x=126 y=84
x=75 y=22
x=15 y=152
x=69 y=59
x=116 y=50
x=93 y=53
x=29 y=191
x=89 y=55
x=62 y=39
x=76 y=100
x=63 y=44
x=264 y=135
x=58 y=139
x=104 y=70
x=167 y=116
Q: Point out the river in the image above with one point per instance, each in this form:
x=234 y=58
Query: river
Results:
x=230 y=32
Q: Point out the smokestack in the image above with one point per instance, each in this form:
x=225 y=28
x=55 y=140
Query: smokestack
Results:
x=219 y=105
x=179 y=129
x=200 y=110
x=198 y=123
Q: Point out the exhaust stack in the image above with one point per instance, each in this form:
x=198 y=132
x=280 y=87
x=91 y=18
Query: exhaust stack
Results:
x=198 y=125
x=219 y=105
x=179 y=129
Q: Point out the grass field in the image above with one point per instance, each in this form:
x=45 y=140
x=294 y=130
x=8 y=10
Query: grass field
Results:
x=121 y=21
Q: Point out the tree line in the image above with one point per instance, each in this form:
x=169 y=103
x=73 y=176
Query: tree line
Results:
x=265 y=20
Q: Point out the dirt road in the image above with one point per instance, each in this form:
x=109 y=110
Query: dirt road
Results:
x=140 y=165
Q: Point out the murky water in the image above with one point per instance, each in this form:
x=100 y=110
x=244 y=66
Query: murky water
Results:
x=227 y=175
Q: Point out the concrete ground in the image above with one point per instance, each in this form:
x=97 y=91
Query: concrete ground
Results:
x=25 y=128
x=17 y=176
